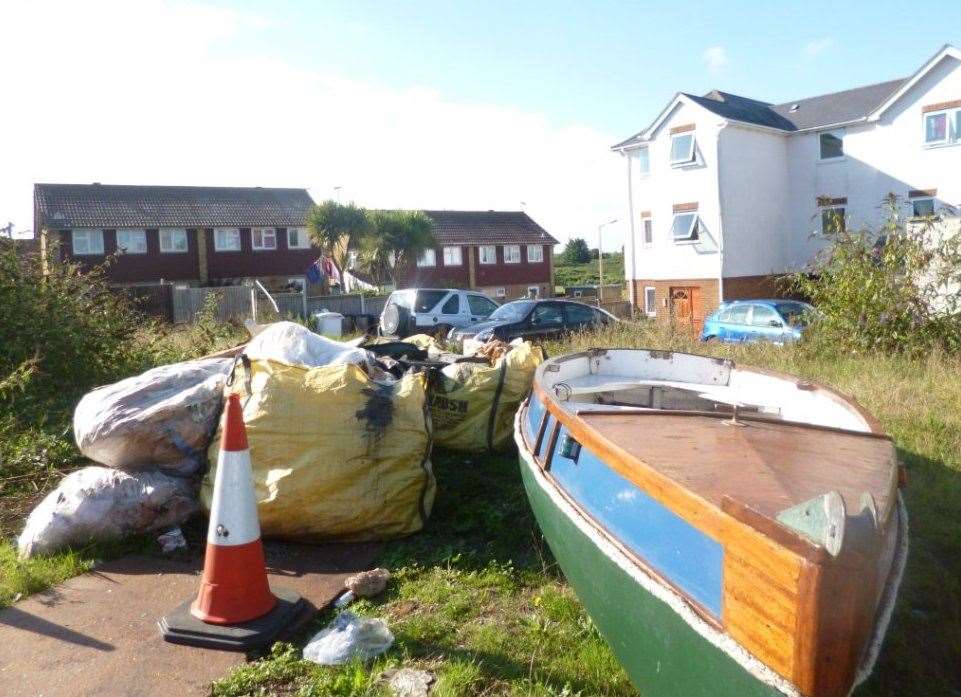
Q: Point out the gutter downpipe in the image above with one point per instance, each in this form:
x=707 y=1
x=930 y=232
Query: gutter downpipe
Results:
x=632 y=296
x=720 y=221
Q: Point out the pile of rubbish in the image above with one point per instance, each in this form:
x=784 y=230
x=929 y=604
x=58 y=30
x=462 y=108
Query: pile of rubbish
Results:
x=340 y=436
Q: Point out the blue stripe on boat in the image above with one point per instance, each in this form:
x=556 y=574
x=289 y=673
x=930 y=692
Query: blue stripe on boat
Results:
x=535 y=409
x=675 y=549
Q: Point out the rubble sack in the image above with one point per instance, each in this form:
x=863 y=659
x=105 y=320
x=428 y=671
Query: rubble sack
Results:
x=473 y=404
x=99 y=503
x=160 y=419
x=336 y=455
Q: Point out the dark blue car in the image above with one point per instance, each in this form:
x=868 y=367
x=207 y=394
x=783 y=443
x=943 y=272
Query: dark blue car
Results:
x=779 y=321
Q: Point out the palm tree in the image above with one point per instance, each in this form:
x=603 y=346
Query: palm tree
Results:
x=337 y=228
x=395 y=240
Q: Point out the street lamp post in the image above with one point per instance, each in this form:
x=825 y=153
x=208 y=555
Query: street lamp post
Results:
x=600 y=260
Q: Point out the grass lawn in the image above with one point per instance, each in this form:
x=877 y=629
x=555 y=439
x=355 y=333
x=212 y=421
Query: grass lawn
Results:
x=478 y=599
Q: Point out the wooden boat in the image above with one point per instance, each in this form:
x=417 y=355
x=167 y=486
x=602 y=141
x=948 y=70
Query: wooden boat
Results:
x=731 y=531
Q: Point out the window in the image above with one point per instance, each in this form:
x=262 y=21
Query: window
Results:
x=832 y=220
x=685 y=227
x=578 y=293
x=479 y=305
x=936 y=128
x=296 y=284
x=452 y=256
x=647 y=232
x=226 y=239
x=488 y=254
x=548 y=313
x=535 y=254
x=297 y=238
x=427 y=258
x=512 y=254
x=173 y=240
x=831 y=144
x=132 y=241
x=452 y=306
x=650 y=301
x=764 y=316
x=87 y=242
x=922 y=207
x=500 y=292
x=263 y=238
x=533 y=292
x=739 y=314
x=579 y=314
x=426 y=300
x=682 y=149
x=643 y=162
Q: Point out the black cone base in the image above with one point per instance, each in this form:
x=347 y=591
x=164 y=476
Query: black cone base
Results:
x=180 y=627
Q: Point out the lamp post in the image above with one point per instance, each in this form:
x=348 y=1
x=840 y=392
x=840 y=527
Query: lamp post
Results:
x=600 y=260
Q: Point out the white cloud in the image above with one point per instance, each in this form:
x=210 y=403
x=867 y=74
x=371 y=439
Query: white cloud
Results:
x=715 y=58
x=189 y=107
x=813 y=49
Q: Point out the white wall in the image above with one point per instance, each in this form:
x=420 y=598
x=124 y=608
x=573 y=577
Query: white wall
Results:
x=666 y=186
x=754 y=189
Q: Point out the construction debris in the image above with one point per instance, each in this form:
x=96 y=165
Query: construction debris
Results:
x=368 y=584
x=409 y=682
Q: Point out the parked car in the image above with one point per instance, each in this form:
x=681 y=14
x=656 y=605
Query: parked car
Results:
x=416 y=310
x=779 y=321
x=530 y=319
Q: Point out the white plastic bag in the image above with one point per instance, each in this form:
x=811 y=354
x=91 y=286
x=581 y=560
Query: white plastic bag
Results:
x=163 y=418
x=99 y=503
x=348 y=637
x=291 y=343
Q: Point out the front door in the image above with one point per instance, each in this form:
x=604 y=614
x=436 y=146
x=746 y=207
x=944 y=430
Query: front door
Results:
x=683 y=301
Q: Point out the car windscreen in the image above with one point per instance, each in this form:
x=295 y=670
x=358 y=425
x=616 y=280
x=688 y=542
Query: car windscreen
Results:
x=512 y=312
x=795 y=313
x=427 y=299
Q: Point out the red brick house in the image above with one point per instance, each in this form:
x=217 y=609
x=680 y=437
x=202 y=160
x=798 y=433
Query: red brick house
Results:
x=195 y=235
x=502 y=253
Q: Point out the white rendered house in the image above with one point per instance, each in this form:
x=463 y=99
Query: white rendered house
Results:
x=727 y=193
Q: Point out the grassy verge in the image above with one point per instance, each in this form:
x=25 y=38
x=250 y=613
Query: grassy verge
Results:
x=477 y=597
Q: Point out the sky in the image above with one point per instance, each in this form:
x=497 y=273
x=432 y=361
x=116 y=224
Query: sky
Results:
x=427 y=104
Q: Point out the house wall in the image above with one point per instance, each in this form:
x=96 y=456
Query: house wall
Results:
x=138 y=268
x=880 y=158
x=439 y=276
x=514 y=279
x=501 y=274
x=249 y=263
x=666 y=186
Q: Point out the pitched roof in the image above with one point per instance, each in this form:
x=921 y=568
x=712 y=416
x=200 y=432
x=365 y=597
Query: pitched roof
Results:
x=487 y=227
x=103 y=205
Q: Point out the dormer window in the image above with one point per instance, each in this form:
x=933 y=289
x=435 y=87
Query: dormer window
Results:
x=682 y=149
x=831 y=144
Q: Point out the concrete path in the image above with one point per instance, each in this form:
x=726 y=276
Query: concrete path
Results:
x=97 y=634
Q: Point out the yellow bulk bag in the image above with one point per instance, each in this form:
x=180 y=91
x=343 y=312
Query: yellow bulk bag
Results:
x=336 y=456
x=474 y=411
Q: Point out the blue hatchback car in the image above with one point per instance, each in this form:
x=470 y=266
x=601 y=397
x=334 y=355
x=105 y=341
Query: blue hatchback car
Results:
x=779 y=321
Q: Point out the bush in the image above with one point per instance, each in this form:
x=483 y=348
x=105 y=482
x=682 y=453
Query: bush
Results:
x=892 y=290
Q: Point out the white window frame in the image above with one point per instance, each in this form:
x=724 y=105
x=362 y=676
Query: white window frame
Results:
x=694 y=224
x=535 y=254
x=824 y=209
x=225 y=233
x=300 y=238
x=265 y=234
x=644 y=165
x=952 y=127
x=650 y=305
x=141 y=240
x=453 y=256
x=88 y=235
x=427 y=258
x=912 y=201
x=482 y=253
x=839 y=133
x=647 y=226
x=691 y=157
x=171 y=248
x=512 y=254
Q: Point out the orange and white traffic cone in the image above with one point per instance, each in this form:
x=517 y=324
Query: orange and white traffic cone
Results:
x=235 y=608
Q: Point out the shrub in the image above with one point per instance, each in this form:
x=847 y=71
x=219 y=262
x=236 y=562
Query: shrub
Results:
x=893 y=289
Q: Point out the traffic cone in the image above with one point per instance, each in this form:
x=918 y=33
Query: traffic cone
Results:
x=235 y=608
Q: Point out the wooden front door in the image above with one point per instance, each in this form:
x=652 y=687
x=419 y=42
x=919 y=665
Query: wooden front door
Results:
x=684 y=299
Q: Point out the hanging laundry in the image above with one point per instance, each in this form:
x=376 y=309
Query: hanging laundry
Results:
x=314 y=273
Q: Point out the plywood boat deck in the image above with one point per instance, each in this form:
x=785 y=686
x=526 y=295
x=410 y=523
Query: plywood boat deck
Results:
x=765 y=465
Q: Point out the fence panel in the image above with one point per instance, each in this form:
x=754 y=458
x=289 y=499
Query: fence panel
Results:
x=348 y=305
x=234 y=303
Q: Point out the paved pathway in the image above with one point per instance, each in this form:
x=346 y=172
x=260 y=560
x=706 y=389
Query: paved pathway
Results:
x=97 y=634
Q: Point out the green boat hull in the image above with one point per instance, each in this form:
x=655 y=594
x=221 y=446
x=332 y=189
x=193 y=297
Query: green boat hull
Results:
x=663 y=654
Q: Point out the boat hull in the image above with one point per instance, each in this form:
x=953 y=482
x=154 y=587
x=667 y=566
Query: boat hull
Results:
x=664 y=653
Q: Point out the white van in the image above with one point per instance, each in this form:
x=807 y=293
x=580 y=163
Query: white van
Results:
x=416 y=310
